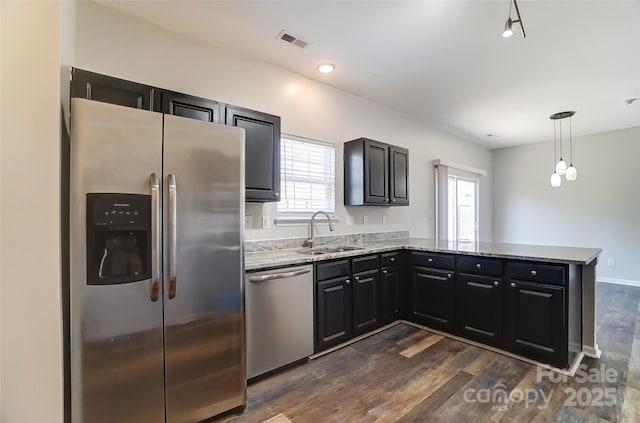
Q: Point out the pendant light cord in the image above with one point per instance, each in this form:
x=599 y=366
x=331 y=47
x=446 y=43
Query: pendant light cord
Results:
x=555 y=147
x=570 y=143
x=560 y=138
x=510 y=3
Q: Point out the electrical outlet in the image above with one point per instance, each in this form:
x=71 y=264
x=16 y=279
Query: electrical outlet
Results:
x=266 y=222
x=384 y=219
x=349 y=220
x=248 y=222
x=611 y=262
x=365 y=220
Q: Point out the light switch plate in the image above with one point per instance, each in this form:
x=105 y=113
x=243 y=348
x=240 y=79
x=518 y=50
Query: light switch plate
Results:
x=266 y=222
x=365 y=220
x=384 y=219
x=248 y=222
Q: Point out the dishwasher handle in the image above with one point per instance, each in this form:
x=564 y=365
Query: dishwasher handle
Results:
x=271 y=276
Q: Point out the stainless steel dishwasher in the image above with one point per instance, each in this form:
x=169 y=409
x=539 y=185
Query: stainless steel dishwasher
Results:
x=279 y=307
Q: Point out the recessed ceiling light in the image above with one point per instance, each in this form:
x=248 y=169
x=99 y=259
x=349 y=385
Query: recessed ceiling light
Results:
x=326 y=67
x=490 y=135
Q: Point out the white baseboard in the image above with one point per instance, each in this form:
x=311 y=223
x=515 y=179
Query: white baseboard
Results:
x=628 y=282
x=593 y=352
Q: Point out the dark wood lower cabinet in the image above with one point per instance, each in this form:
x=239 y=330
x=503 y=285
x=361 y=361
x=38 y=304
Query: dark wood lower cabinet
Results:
x=479 y=308
x=390 y=294
x=484 y=300
x=535 y=322
x=432 y=297
x=366 y=310
x=333 y=312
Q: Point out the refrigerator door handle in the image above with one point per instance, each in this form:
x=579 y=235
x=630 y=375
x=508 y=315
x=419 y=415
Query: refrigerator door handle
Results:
x=173 y=193
x=155 y=237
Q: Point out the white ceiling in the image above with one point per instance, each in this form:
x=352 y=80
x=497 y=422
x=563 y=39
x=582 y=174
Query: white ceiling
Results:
x=444 y=62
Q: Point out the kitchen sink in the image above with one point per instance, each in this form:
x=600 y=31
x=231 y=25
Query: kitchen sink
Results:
x=328 y=249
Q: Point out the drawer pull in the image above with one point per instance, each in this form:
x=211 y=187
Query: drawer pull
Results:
x=513 y=285
x=496 y=283
x=356 y=278
x=392 y=259
x=449 y=275
x=430 y=260
x=347 y=281
x=533 y=273
x=478 y=266
x=384 y=271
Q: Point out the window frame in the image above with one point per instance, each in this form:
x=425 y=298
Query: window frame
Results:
x=300 y=217
x=452 y=174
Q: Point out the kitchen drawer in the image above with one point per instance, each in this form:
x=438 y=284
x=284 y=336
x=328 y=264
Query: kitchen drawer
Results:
x=536 y=272
x=480 y=266
x=438 y=261
x=362 y=264
x=390 y=259
x=332 y=270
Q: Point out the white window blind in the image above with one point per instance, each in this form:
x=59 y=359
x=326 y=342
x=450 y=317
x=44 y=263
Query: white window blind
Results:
x=307 y=176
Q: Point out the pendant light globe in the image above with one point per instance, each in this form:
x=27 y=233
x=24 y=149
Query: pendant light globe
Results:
x=561 y=167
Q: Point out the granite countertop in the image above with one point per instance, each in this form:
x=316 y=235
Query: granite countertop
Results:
x=296 y=256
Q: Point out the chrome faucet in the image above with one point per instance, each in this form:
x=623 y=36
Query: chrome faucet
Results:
x=309 y=242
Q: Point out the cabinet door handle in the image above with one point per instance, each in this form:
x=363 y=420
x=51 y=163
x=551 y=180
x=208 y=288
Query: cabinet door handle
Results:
x=533 y=273
x=347 y=281
x=384 y=271
x=478 y=266
x=496 y=283
x=448 y=275
x=355 y=277
x=386 y=199
x=430 y=260
x=392 y=259
x=513 y=285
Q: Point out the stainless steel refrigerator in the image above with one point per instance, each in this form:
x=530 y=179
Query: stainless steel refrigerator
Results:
x=156 y=266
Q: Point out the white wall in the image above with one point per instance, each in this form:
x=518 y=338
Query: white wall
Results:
x=600 y=209
x=30 y=316
x=112 y=43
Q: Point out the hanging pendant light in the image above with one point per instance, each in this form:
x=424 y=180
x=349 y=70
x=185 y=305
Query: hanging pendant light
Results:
x=572 y=172
x=561 y=166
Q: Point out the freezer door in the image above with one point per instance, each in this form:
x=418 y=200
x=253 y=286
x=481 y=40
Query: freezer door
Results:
x=203 y=233
x=116 y=346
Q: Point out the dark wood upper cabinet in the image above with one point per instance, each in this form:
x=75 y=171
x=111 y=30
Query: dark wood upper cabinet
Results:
x=398 y=176
x=262 y=152
x=178 y=104
x=375 y=174
x=106 y=89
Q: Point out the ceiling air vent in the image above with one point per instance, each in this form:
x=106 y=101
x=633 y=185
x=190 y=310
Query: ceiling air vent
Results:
x=292 y=39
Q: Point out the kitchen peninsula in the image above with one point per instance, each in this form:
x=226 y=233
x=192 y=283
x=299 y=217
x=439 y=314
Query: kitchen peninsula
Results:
x=537 y=302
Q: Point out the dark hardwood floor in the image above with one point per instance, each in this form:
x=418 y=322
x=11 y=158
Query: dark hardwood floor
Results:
x=406 y=374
